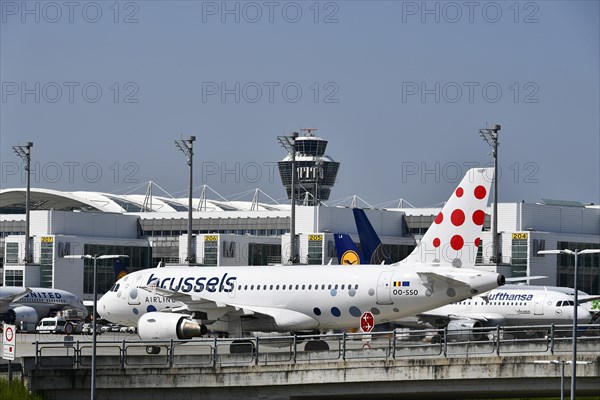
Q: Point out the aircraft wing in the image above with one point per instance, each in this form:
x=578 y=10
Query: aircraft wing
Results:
x=14 y=297
x=214 y=310
x=586 y=299
x=441 y=319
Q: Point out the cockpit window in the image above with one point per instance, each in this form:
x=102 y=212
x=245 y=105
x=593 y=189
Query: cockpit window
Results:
x=565 y=303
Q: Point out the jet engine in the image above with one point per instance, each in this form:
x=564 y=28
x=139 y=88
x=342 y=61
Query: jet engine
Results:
x=465 y=329
x=167 y=326
x=19 y=314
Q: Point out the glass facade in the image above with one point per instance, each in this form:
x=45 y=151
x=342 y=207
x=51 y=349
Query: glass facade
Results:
x=139 y=258
x=263 y=254
x=588 y=268
x=519 y=257
x=13 y=278
x=12 y=253
x=211 y=252
x=46 y=261
x=315 y=250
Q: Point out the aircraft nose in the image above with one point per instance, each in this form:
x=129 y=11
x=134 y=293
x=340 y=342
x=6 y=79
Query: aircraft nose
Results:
x=102 y=309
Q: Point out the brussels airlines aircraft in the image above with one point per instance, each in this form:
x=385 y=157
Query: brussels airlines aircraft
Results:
x=308 y=298
x=29 y=305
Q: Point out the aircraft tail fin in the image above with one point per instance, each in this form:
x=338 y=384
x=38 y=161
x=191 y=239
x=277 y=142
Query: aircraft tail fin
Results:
x=373 y=250
x=347 y=252
x=454 y=237
x=120 y=268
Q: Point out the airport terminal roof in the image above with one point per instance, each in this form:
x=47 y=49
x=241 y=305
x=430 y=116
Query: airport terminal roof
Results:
x=12 y=201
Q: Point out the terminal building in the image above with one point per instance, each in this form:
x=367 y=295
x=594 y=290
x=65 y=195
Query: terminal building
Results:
x=153 y=229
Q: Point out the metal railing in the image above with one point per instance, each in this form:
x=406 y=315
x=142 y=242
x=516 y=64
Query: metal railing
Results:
x=273 y=349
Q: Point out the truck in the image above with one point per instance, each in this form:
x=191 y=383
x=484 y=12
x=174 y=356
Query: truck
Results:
x=54 y=325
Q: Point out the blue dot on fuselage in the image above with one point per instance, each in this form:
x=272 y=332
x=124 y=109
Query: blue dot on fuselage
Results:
x=151 y=308
x=335 y=312
x=317 y=311
x=135 y=311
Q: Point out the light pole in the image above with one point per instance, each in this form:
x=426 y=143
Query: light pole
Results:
x=289 y=143
x=574 y=253
x=491 y=137
x=95 y=258
x=187 y=148
x=25 y=153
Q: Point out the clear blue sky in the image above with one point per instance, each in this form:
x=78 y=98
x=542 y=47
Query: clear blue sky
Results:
x=400 y=89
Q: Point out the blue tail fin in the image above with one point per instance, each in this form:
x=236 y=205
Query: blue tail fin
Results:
x=347 y=252
x=120 y=269
x=373 y=250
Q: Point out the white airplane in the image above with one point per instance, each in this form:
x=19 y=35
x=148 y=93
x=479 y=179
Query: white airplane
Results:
x=26 y=306
x=511 y=305
x=309 y=298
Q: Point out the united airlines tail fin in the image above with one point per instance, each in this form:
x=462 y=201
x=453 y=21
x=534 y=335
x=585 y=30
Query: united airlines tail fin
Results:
x=454 y=236
x=120 y=269
x=347 y=252
x=373 y=250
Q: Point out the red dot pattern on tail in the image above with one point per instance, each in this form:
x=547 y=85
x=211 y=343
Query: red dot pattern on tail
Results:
x=480 y=192
x=478 y=217
x=457 y=242
x=457 y=217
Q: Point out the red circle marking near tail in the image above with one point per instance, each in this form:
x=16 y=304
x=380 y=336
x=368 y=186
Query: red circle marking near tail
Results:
x=478 y=217
x=457 y=242
x=439 y=218
x=477 y=242
x=436 y=242
x=457 y=217
x=459 y=192
x=480 y=192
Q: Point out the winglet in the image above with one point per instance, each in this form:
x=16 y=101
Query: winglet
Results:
x=454 y=236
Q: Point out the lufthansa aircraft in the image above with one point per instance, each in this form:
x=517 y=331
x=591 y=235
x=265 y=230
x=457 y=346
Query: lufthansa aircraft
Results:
x=29 y=305
x=180 y=302
x=511 y=305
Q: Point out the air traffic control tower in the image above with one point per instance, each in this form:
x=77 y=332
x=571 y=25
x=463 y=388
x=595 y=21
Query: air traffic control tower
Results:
x=315 y=171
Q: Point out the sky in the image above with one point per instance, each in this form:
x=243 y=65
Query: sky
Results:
x=399 y=88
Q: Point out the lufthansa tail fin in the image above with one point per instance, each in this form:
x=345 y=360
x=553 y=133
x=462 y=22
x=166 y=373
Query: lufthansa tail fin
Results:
x=120 y=269
x=454 y=236
x=347 y=252
x=373 y=250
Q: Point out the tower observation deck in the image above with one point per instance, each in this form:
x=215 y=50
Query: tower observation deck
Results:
x=315 y=171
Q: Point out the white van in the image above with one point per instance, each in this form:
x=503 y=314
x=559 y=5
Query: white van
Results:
x=52 y=325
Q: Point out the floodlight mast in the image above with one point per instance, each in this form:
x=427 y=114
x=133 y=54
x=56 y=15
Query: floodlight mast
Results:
x=187 y=147
x=25 y=153
x=575 y=253
x=490 y=135
x=289 y=143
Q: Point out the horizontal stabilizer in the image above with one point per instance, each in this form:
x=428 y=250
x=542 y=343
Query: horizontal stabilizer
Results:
x=525 y=278
x=431 y=277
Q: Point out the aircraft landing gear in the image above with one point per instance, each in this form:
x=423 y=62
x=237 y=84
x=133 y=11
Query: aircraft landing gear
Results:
x=153 y=349
x=316 y=345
